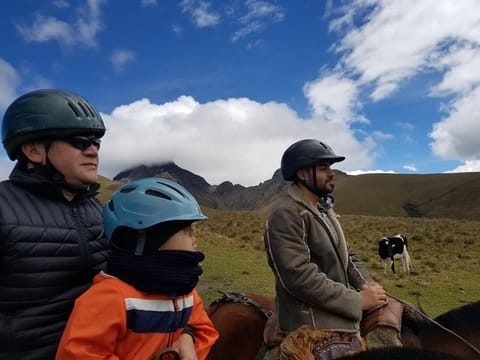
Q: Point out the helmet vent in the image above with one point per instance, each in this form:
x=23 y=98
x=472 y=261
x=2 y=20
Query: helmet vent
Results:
x=158 y=194
x=111 y=206
x=176 y=190
x=93 y=112
x=127 y=190
x=85 y=109
x=74 y=109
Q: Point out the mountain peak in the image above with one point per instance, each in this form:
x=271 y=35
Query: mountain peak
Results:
x=421 y=195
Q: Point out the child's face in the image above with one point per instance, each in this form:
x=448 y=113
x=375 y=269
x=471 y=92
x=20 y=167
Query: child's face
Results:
x=182 y=240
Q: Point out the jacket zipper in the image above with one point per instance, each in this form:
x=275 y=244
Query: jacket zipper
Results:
x=83 y=246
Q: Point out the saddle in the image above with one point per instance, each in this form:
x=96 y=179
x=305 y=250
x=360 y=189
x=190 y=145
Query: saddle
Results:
x=388 y=314
x=381 y=326
x=306 y=343
x=273 y=335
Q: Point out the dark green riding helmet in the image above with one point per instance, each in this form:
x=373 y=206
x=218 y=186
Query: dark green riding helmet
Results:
x=48 y=114
x=306 y=153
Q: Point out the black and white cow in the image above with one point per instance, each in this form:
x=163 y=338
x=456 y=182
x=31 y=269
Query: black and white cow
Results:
x=394 y=247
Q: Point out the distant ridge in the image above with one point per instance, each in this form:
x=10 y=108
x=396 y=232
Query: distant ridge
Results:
x=454 y=195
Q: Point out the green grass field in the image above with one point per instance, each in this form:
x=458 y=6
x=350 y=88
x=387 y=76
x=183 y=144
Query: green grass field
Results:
x=445 y=271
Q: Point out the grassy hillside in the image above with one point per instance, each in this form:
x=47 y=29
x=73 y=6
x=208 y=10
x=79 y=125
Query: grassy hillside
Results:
x=424 y=195
x=445 y=252
x=430 y=195
x=107 y=187
x=445 y=269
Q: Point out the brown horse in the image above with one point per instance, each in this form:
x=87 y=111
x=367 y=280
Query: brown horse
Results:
x=240 y=320
x=455 y=332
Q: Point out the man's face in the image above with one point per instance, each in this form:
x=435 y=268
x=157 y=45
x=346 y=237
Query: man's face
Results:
x=76 y=159
x=319 y=179
x=324 y=175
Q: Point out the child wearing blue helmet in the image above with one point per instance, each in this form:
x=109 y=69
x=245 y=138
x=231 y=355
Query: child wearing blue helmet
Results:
x=145 y=301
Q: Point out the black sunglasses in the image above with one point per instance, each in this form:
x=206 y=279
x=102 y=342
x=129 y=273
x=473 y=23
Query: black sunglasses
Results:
x=82 y=142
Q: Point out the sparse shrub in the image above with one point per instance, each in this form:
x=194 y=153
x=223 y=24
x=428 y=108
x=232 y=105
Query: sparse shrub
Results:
x=449 y=239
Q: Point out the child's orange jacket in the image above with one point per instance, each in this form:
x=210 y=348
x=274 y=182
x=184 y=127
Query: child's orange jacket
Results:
x=113 y=320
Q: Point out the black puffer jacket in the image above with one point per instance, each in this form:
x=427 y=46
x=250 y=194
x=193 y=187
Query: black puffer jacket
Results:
x=49 y=251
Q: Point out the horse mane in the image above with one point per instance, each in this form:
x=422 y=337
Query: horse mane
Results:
x=459 y=317
x=417 y=319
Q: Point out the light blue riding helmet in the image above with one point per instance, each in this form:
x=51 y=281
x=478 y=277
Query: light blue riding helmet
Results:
x=143 y=203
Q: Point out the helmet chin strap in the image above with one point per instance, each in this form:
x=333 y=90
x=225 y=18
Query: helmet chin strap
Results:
x=314 y=188
x=49 y=172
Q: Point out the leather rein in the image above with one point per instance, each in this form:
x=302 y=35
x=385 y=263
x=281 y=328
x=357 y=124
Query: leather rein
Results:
x=436 y=323
x=236 y=297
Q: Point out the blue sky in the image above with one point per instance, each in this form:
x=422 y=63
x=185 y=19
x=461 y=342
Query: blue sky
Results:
x=224 y=87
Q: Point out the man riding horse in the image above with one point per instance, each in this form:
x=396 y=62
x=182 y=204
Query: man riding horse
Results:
x=320 y=286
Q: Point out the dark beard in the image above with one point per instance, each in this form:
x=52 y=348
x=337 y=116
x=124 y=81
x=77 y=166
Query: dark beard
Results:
x=320 y=191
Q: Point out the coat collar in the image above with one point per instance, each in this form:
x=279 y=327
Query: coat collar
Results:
x=327 y=204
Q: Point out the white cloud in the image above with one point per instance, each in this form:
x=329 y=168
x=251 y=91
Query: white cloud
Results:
x=456 y=136
x=379 y=135
x=400 y=37
x=396 y=42
x=238 y=140
x=37 y=81
x=399 y=40
x=89 y=22
x=200 y=12
x=6 y=167
x=334 y=98
x=177 y=29
x=468 y=166
x=410 y=167
x=61 y=4
x=82 y=31
x=406 y=126
x=259 y=15
x=258 y=9
x=253 y=17
x=246 y=30
x=121 y=57
x=462 y=62
x=47 y=28
x=9 y=81
x=362 y=172
x=147 y=3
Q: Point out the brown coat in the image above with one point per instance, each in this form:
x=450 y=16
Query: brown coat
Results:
x=316 y=281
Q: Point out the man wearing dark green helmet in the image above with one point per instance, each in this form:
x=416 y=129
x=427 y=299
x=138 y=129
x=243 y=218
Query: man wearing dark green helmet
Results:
x=51 y=228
